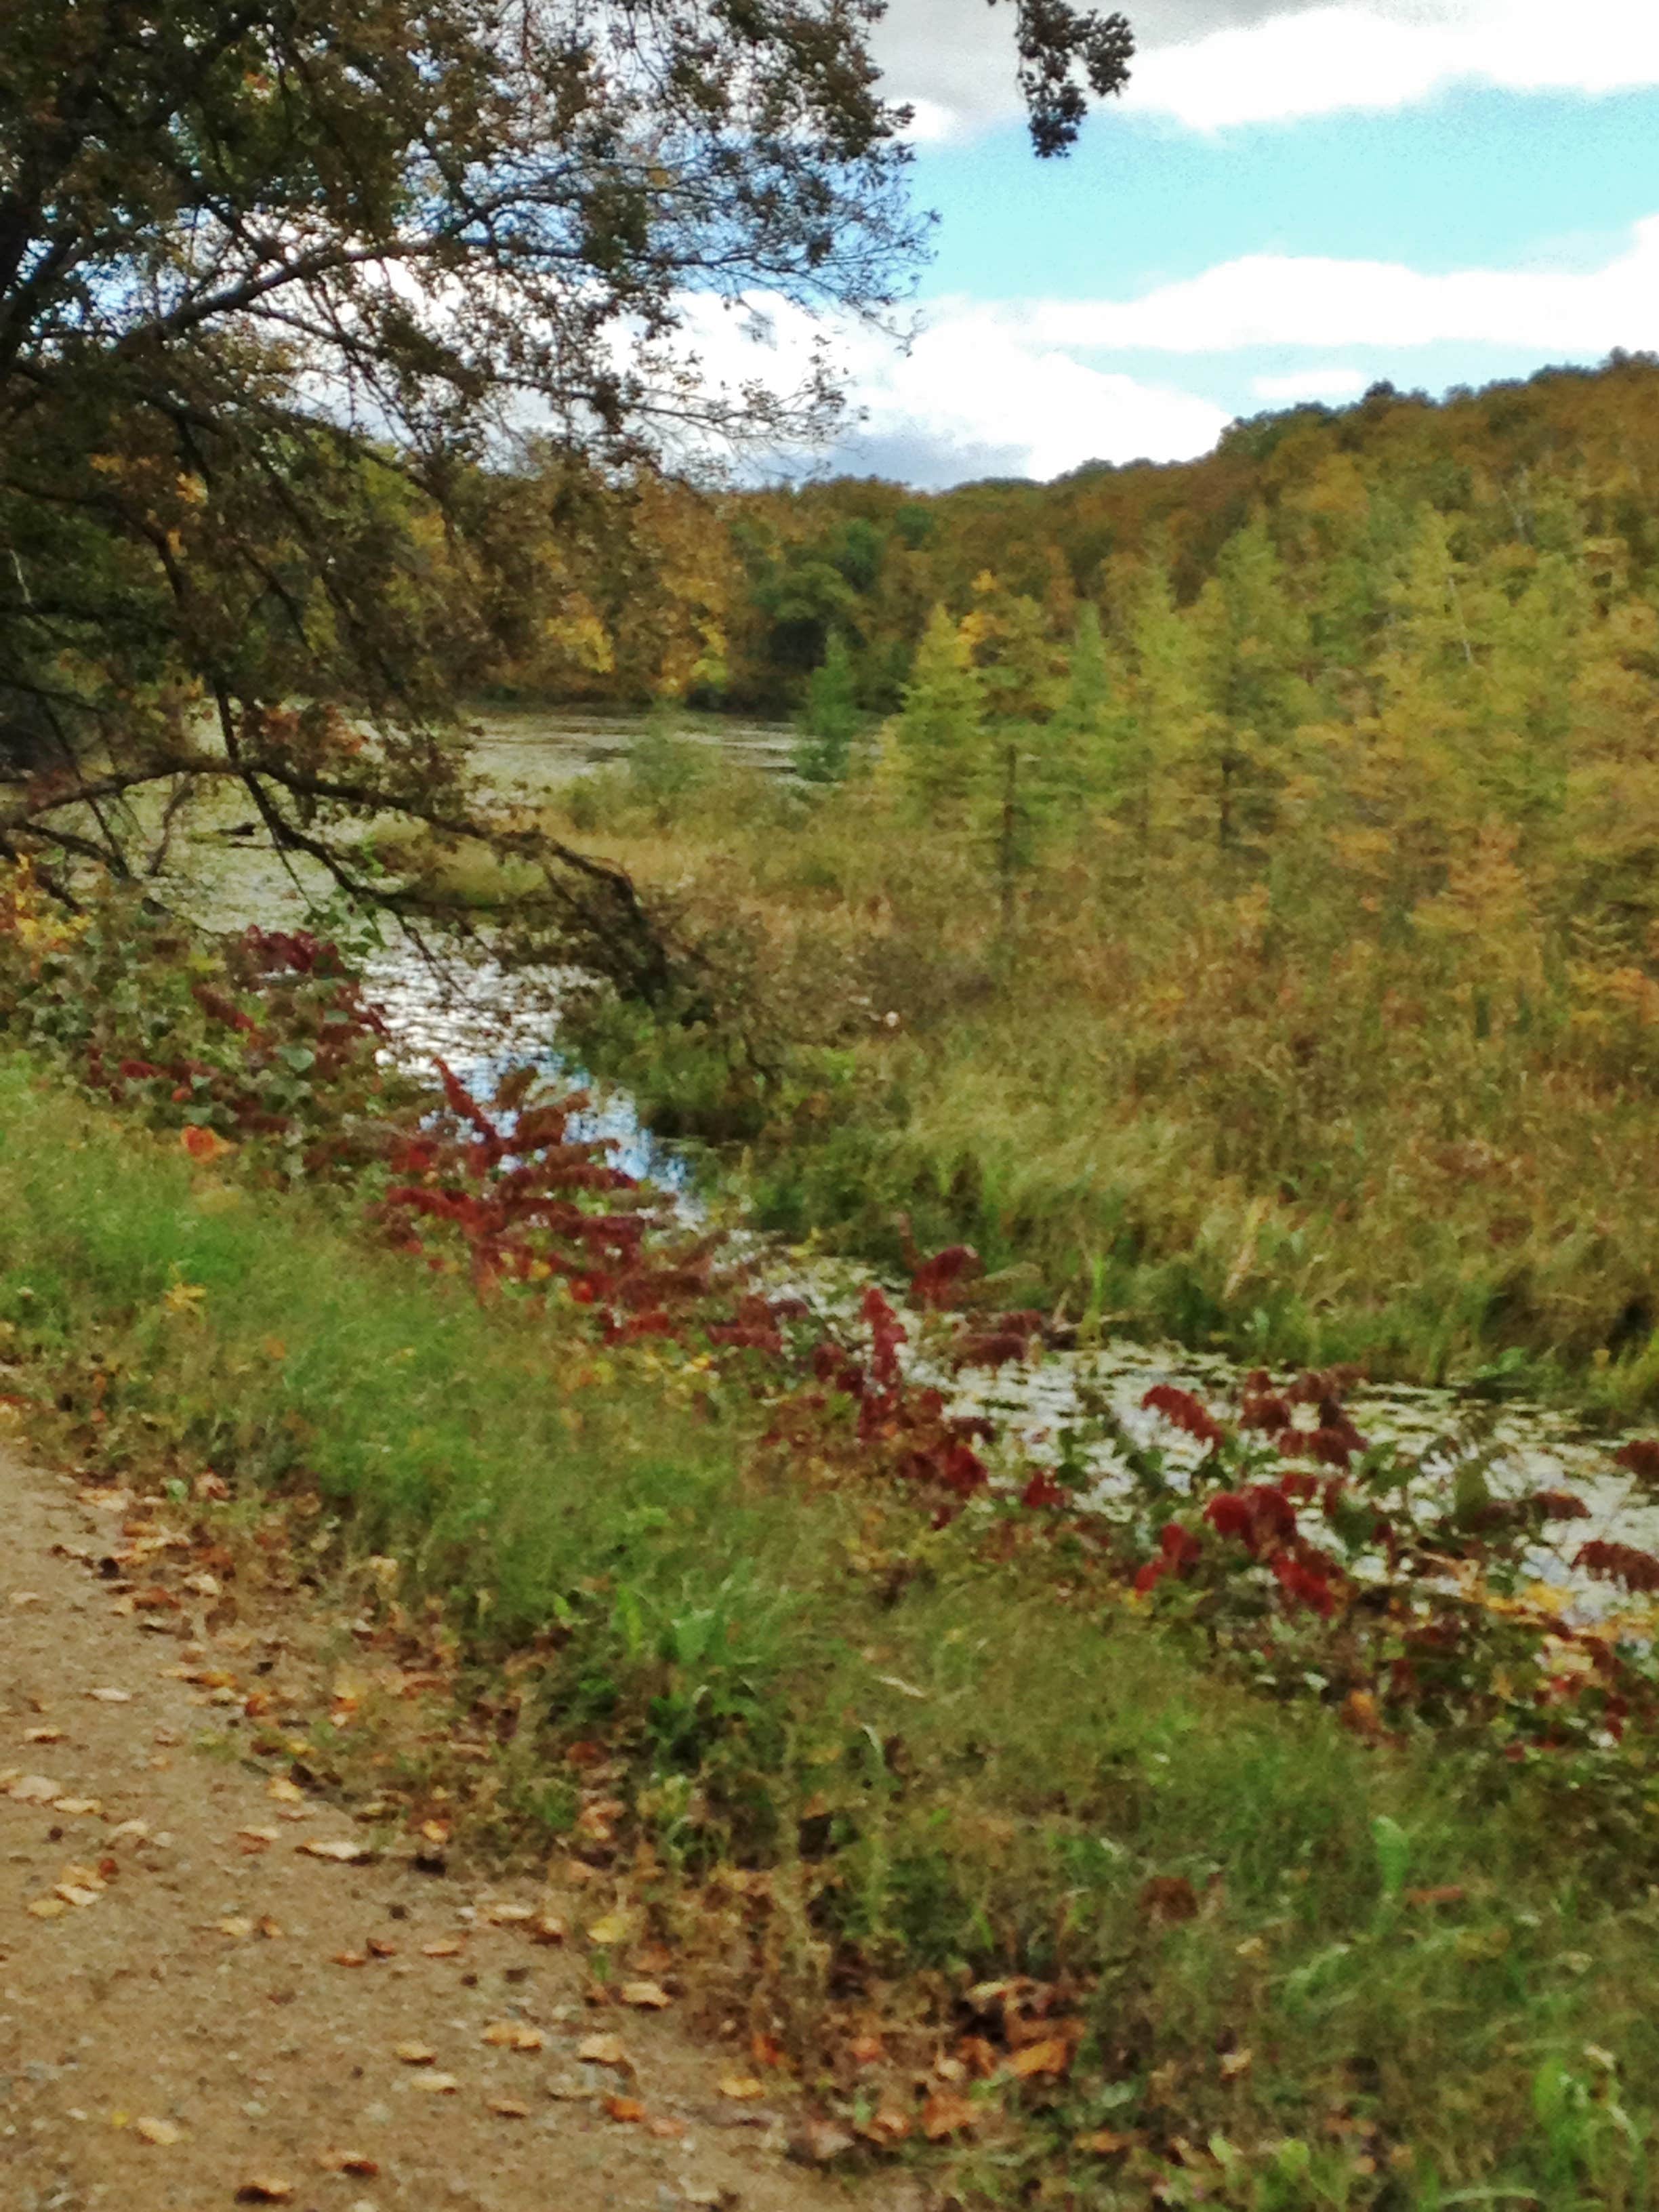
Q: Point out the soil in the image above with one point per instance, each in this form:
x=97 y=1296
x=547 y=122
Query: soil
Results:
x=181 y=2026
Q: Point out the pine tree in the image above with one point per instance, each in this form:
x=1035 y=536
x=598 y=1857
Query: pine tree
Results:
x=938 y=738
x=831 y=721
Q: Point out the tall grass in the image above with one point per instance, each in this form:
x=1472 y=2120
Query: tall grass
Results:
x=1244 y=1108
x=956 y=1766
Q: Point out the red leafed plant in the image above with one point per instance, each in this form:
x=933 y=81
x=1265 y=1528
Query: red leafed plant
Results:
x=1620 y=1562
x=1183 y=1411
x=1639 y=1456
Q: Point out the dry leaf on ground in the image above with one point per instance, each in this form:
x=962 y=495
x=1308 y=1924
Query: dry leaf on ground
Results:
x=605 y=2051
x=947 y=2114
x=112 y=1697
x=513 y=2035
x=414 y=2054
x=507 y=2108
x=439 y=2085
x=341 y=1848
x=741 y=2087
x=161 y=2132
x=624 y=2108
x=348 y=2161
x=645 y=1996
x=265 y=2189
x=446 y=1946
x=1051 y=2055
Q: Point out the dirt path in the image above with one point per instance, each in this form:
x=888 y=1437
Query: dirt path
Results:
x=177 y=2028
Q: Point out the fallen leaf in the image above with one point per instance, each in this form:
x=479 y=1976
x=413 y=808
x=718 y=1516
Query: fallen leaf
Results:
x=886 y=2125
x=76 y=1808
x=945 y=2114
x=414 y=2054
x=1235 y=2063
x=605 y=2051
x=43 y=1736
x=112 y=1697
x=446 y=1946
x=613 y=1929
x=343 y=1849
x=351 y=1957
x=348 y=2161
x=624 y=2108
x=46 y=1908
x=440 y=2085
x=1169 y=1897
x=265 y=2189
x=379 y=1949
x=507 y=2108
x=138 y=1829
x=549 y=1928
x=1101 y=2142
x=644 y=1996
x=258 y=1839
x=1051 y=2055
x=161 y=2132
x=509 y=1916
x=234 y=1925
x=270 y=1928
x=816 y=2142
x=34 y=1789
x=284 y=1791
x=511 y=2035
x=741 y=2087
x=666 y=2129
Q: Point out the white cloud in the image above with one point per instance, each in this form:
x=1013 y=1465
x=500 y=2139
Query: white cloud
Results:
x=1383 y=56
x=1270 y=299
x=973 y=395
x=1334 y=384
x=1209 y=63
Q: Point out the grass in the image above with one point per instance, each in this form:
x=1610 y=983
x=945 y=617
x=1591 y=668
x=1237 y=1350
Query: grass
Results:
x=956 y=1766
x=1247 y=1110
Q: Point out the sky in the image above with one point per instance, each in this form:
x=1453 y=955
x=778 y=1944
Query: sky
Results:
x=1291 y=202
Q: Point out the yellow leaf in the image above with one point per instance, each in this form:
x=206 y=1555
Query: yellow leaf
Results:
x=508 y=2108
x=284 y=1791
x=348 y=2161
x=647 y=1996
x=161 y=2132
x=605 y=2051
x=47 y=1908
x=741 y=2085
x=440 y=2085
x=512 y=2035
x=414 y=2054
x=613 y=1929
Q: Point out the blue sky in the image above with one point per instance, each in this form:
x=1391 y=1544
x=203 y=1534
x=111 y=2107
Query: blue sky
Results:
x=1292 y=200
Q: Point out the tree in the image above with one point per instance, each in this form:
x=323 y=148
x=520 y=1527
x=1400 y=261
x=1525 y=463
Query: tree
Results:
x=277 y=277
x=938 y=738
x=831 y=719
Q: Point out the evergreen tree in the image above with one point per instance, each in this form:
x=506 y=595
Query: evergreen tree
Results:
x=938 y=737
x=830 y=721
